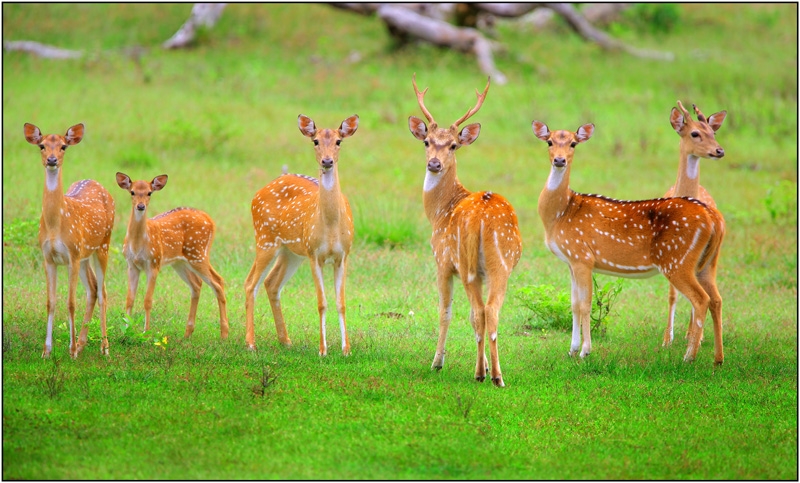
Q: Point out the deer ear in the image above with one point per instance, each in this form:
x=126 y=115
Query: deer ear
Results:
x=124 y=181
x=540 y=130
x=469 y=134
x=715 y=121
x=677 y=120
x=306 y=126
x=585 y=132
x=418 y=128
x=159 y=182
x=348 y=126
x=74 y=134
x=32 y=134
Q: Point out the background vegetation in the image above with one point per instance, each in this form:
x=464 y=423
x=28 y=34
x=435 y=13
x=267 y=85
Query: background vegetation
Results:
x=220 y=119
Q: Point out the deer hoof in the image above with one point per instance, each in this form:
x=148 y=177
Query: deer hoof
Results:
x=498 y=381
x=480 y=378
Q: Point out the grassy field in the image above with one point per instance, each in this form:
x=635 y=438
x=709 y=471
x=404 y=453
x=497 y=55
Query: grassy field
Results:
x=220 y=120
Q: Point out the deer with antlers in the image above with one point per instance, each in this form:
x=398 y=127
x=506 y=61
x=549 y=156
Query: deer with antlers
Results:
x=697 y=141
x=180 y=238
x=297 y=217
x=678 y=237
x=475 y=235
x=74 y=229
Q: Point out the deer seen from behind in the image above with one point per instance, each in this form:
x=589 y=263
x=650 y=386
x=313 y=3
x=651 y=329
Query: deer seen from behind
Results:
x=181 y=238
x=297 y=217
x=475 y=235
x=74 y=230
x=697 y=141
x=678 y=237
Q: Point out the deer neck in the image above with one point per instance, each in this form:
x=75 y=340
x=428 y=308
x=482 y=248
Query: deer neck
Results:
x=555 y=197
x=137 y=228
x=53 y=204
x=329 y=204
x=688 y=182
x=441 y=194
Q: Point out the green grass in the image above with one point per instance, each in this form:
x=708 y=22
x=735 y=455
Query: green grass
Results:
x=220 y=120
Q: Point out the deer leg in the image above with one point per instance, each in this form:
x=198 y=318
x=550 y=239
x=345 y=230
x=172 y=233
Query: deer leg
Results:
x=693 y=291
x=217 y=284
x=195 y=283
x=707 y=278
x=133 y=284
x=669 y=331
x=284 y=269
x=494 y=302
x=152 y=275
x=100 y=260
x=74 y=273
x=339 y=271
x=322 y=303
x=445 y=285
x=257 y=274
x=581 y=309
x=478 y=320
x=89 y=282
x=51 y=276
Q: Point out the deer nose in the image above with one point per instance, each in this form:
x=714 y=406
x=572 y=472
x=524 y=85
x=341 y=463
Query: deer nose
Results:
x=52 y=161
x=559 y=162
x=720 y=152
x=434 y=165
x=140 y=207
x=327 y=163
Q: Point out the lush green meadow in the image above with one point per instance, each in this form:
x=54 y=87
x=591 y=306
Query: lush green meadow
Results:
x=220 y=120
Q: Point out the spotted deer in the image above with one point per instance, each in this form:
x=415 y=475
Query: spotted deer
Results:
x=180 y=238
x=697 y=141
x=298 y=217
x=678 y=237
x=74 y=229
x=475 y=235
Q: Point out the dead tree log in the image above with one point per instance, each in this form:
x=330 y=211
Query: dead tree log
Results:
x=204 y=15
x=42 y=50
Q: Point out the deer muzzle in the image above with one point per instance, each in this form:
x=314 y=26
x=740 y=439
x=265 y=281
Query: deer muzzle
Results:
x=141 y=207
x=434 y=165
x=326 y=163
x=559 y=162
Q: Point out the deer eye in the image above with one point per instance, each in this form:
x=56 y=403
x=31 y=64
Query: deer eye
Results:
x=63 y=147
x=550 y=143
x=132 y=193
x=338 y=142
x=453 y=147
x=150 y=193
x=41 y=146
x=695 y=134
x=573 y=144
x=316 y=142
x=426 y=143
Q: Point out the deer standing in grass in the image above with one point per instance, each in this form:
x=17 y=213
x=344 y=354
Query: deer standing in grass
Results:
x=297 y=217
x=678 y=237
x=73 y=229
x=697 y=141
x=181 y=238
x=475 y=235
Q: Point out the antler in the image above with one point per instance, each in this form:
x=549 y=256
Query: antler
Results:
x=478 y=105
x=700 y=116
x=685 y=112
x=420 y=96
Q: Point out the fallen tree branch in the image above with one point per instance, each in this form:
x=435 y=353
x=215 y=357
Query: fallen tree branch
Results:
x=41 y=50
x=204 y=15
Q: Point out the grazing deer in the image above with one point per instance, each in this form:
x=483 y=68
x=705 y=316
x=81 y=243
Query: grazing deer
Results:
x=679 y=237
x=697 y=141
x=182 y=238
x=297 y=217
x=475 y=235
x=73 y=229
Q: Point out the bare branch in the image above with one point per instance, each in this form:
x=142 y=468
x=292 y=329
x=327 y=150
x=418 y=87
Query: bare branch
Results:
x=203 y=15
x=42 y=50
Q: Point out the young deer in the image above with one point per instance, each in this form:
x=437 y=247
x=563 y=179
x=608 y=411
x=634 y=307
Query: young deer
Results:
x=679 y=237
x=297 y=217
x=182 y=238
x=697 y=141
x=73 y=229
x=475 y=235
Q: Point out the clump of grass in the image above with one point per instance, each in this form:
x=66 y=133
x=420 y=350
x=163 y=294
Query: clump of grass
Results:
x=387 y=223
x=781 y=201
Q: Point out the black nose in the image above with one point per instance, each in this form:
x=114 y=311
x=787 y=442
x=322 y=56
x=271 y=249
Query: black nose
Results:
x=559 y=162
x=434 y=165
x=720 y=152
x=327 y=163
x=140 y=207
x=52 y=161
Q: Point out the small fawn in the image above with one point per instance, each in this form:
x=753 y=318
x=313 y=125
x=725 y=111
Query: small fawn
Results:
x=697 y=141
x=297 y=217
x=475 y=235
x=182 y=238
x=678 y=237
x=73 y=229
